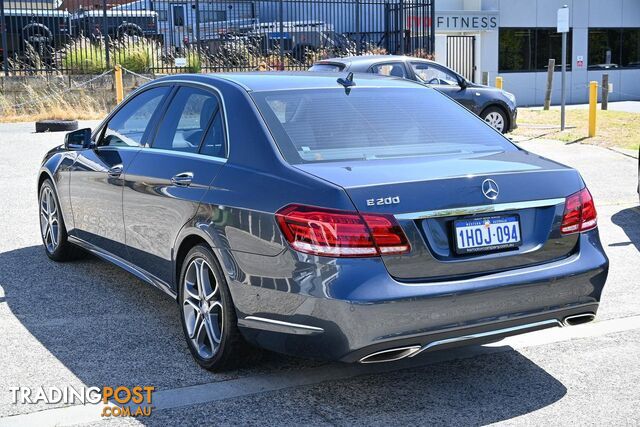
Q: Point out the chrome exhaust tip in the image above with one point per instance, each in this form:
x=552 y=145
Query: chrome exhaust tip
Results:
x=390 y=355
x=578 y=319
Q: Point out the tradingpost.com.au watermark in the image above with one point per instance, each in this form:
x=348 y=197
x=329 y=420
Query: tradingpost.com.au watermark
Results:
x=119 y=401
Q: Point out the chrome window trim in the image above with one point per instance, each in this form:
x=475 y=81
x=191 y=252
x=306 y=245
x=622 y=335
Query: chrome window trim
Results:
x=222 y=101
x=472 y=210
x=198 y=156
x=171 y=82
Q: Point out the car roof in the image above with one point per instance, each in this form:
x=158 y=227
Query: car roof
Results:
x=370 y=59
x=282 y=80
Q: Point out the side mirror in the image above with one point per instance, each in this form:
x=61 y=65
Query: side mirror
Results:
x=462 y=82
x=78 y=139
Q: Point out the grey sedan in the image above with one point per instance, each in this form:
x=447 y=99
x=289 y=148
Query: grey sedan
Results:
x=495 y=106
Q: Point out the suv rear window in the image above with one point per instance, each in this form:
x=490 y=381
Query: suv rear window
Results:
x=323 y=125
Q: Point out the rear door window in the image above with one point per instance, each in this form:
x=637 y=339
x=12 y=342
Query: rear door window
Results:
x=185 y=122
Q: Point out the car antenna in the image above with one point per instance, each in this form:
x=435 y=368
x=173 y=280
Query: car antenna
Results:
x=348 y=83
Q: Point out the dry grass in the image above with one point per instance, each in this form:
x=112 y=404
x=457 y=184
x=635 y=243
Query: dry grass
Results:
x=613 y=128
x=52 y=104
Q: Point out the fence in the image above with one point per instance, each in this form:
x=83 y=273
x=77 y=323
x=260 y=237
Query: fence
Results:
x=167 y=36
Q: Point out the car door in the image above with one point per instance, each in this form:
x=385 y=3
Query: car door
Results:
x=446 y=81
x=167 y=180
x=96 y=182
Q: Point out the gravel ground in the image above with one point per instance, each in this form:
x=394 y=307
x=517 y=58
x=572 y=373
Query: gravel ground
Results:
x=89 y=323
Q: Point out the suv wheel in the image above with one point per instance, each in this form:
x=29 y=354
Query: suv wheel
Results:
x=207 y=313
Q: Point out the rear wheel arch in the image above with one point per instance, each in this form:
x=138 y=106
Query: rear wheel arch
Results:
x=183 y=248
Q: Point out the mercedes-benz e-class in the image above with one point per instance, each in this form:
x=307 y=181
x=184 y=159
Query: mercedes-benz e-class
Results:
x=339 y=218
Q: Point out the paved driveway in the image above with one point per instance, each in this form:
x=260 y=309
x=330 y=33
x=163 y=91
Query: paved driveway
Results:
x=89 y=323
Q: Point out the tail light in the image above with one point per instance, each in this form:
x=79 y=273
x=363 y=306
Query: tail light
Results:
x=579 y=213
x=338 y=233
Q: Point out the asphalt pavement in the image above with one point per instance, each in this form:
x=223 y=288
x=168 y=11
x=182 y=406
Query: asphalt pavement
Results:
x=88 y=323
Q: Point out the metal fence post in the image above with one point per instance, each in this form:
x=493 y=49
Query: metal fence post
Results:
x=3 y=29
x=198 y=45
x=281 y=18
x=105 y=33
x=432 y=28
x=358 y=29
x=401 y=26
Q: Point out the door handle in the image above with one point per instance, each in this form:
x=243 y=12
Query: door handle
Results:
x=115 y=171
x=183 y=179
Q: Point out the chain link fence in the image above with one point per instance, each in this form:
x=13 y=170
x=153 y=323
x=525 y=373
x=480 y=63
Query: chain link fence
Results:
x=171 y=36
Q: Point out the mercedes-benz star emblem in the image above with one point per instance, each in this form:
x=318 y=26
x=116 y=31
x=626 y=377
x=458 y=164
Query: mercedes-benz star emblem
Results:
x=490 y=189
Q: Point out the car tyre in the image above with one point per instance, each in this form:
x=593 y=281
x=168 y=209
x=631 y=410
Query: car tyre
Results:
x=56 y=126
x=496 y=118
x=207 y=314
x=52 y=227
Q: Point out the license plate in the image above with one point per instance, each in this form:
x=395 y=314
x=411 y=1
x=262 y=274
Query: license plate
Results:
x=487 y=234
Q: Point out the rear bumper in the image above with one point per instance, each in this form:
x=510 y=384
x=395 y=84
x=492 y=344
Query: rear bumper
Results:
x=344 y=320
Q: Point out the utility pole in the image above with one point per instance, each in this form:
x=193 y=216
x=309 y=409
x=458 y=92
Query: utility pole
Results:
x=563 y=27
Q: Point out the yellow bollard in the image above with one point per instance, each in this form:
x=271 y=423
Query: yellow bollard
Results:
x=499 y=82
x=593 y=100
x=119 y=86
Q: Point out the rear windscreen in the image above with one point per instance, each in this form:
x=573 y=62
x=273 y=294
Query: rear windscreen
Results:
x=329 y=68
x=320 y=125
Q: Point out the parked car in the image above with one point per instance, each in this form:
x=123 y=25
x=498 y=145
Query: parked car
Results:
x=343 y=219
x=298 y=38
x=116 y=23
x=43 y=31
x=497 y=107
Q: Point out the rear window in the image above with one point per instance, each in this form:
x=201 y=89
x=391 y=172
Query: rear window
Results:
x=329 y=68
x=324 y=125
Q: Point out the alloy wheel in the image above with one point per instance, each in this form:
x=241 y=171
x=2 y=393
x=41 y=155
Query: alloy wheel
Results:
x=496 y=120
x=202 y=308
x=49 y=219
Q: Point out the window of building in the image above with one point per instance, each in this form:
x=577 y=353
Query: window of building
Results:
x=604 y=47
x=614 y=48
x=529 y=49
x=630 y=48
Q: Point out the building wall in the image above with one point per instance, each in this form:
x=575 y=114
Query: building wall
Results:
x=529 y=87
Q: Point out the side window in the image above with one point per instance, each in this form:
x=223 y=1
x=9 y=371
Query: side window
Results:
x=186 y=120
x=395 y=69
x=213 y=144
x=434 y=75
x=128 y=126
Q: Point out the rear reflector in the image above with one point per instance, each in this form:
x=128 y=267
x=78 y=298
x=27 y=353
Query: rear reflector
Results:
x=579 y=213
x=338 y=233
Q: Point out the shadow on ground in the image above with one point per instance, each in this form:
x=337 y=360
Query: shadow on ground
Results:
x=108 y=328
x=629 y=220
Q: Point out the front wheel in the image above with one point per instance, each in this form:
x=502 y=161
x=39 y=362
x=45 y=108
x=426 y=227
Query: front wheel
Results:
x=496 y=117
x=207 y=313
x=52 y=228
